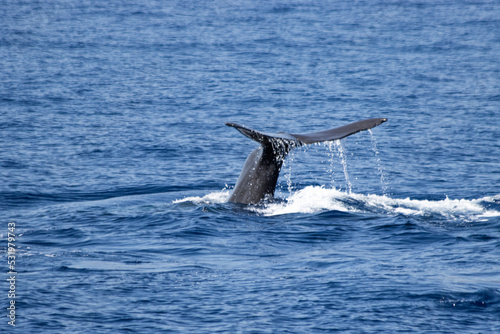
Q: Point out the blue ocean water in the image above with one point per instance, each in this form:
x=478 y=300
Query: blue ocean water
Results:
x=116 y=166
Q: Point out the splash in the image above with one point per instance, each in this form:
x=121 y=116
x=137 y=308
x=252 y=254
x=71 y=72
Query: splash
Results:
x=312 y=199
x=315 y=199
x=211 y=198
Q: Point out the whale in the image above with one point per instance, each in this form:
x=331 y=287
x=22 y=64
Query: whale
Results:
x=259 y=176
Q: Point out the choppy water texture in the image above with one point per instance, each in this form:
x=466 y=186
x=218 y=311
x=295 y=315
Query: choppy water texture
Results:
x=116 y=166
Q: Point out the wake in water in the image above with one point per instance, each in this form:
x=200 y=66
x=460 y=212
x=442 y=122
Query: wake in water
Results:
x=316 y=199
x=212 y=198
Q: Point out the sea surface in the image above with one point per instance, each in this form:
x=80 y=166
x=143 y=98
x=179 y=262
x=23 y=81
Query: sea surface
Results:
x=116 y=166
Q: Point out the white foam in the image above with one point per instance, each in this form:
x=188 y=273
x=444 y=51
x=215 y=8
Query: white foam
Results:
x=212 y=198
x=308 y=200
x=317 y=199
x=314 y=199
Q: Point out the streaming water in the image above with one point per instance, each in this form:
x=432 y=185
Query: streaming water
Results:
x=380 y=168
x=332 y=161
x=343 y=161
x=287 y=169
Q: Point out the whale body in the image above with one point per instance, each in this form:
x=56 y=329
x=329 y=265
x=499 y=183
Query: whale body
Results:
x=260 y=173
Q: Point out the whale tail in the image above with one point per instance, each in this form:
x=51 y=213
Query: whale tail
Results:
x=261 y=170
x=309 y=138
x=275 y=146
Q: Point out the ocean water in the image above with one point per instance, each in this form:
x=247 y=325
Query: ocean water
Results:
x=116 y=166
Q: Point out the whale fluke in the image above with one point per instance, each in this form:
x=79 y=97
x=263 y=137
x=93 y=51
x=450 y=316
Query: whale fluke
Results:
x=261 y=170
x=340 y=132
